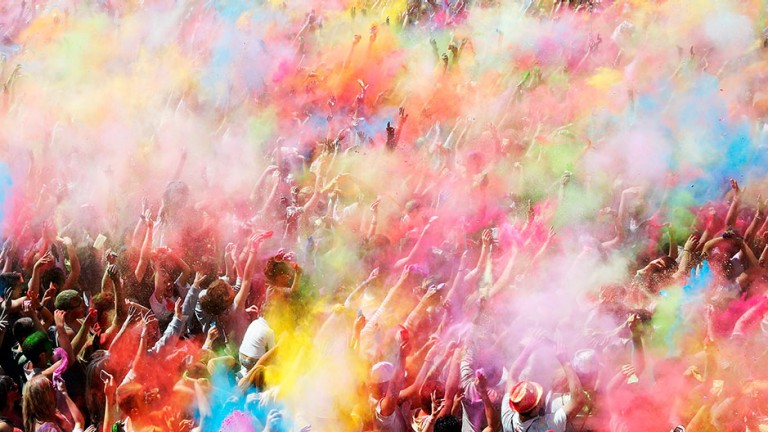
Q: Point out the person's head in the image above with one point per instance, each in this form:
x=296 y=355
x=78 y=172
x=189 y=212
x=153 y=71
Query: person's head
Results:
x=9 y=393
x=39 y=402
x=586 y=366
x=429 y=388
x=104 y=303
x=448 y=423
x=381 y=374
x=38 y=349
x=175 y=196
x=22 y=328
x=130 y=399
x=94 y=385
x=55 y=276
x=11 y=285
x=71 y=302
x=376 y=252
x=279 y=273
x=525 y=398
x=218 y=298
x=164 y=280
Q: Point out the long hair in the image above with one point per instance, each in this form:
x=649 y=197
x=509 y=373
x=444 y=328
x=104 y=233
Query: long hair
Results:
x=39 y=402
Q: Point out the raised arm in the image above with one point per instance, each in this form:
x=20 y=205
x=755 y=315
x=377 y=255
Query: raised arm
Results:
x=416 y=247
x=82 y=335
x=374 y=217
x=61 y=334
x=757 y=221
x=686 y=260
x=357 y=291
x=245 y=290
x=487 y=239
x=144 y=255
x=272 y=193
x=577 y=399
x=492 y=415
x=74 y=263
x=43 y=264
x=621 y=218
x=451 y=383
x=733 y=210
x=256 y=191
x=312 y=201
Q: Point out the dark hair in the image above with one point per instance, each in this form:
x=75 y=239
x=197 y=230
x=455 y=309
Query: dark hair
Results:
x=35 y=344
x=22 y=328
x=176 y=195
x=6 y=385
x=8 y=281
x=217 y=299
x=448 y=423
x=55 y=275
x=425 y=394
x=275 y=269
x=94 y=388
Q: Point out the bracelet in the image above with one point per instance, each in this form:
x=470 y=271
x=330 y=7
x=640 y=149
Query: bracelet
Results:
x=686 y=250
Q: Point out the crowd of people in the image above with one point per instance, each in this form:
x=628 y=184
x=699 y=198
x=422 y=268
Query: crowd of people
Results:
x=437 y=274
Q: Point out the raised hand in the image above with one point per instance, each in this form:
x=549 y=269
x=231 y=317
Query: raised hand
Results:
x=375 y=204
x=59 y=317
x=3 y=322
x=113 y=273
x=200 y=277
x=374 y=274
x=45 y=262
x=147 y=321
x=692 y=243
x=274 y=421
x=487 y=237
x=437 y=403
x=481 y=381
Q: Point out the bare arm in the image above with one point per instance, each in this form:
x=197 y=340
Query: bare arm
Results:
x=272 y=193
x=577 y=399
x=621 y=218
x=374 y=217
x=686 y=259
x=77 y=416
x=256 y=191
x=757 y=221
x=357 y=291
x=245 y=289
x=451 y=384
x=492 y=415
x=74 y=264
x=61 y=334
x=144 y=255
x=312 y=201
x=487 y=239
x=733 y=210
x=82 y=335
x=416 y=247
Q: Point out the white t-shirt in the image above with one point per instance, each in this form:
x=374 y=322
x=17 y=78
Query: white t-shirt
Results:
x=163 y=310
x=259 y=338
x=510 y=420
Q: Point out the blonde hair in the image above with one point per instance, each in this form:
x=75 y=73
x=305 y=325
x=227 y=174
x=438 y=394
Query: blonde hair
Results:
x=38 y=403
